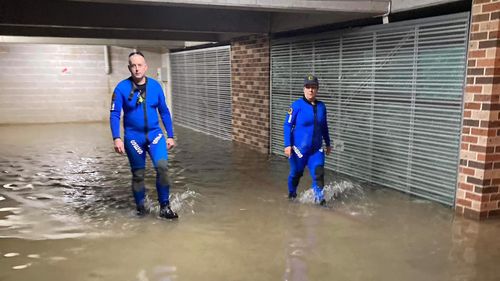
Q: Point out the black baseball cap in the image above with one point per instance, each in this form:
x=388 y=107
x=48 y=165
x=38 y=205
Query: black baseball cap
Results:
x=311 y=80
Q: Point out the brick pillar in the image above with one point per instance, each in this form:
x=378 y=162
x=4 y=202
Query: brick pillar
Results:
x=478 y=194
x=250 y=74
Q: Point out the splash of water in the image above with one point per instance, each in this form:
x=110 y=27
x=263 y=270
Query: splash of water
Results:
x=179 y=202
x=332 y=192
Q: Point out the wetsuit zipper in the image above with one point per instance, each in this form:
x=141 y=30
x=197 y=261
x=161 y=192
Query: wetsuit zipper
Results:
x=144 y=107
x=315 y=126
x=315 y=110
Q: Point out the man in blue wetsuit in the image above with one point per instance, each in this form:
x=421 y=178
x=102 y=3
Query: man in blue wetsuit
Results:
x=141 y=99
x=305 y=129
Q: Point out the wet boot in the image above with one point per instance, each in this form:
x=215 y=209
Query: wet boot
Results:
x=319 y=196
x=141 y=211
x=292 y=196
x=167 y=213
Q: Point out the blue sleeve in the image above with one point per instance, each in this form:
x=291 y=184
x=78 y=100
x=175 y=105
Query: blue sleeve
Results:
x=115 y=113
x=165 y=114
x=289 y=125
x=324 y=128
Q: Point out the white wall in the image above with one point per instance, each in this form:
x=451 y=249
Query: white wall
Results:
x=47 y=83
x=166 y=79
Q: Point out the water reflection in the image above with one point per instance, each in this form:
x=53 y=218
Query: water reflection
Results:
x=66 y=212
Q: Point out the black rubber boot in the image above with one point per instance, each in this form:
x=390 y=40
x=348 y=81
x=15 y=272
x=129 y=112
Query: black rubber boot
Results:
x=292 y=195
x=141 y=211
x=167 y=213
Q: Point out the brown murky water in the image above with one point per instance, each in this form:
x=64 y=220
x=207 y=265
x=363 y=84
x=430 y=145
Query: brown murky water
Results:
x=66 y=213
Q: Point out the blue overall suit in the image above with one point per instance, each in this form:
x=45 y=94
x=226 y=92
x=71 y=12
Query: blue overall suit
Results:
x=305 y=129
x=142 y=133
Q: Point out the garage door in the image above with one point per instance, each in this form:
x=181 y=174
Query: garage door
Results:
x=201 y=90
x=394 y=99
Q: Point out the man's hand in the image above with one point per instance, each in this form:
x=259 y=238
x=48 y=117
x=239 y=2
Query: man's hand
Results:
x=170 y=143
x=288 y=151
x=119 y=147
x=328 y=150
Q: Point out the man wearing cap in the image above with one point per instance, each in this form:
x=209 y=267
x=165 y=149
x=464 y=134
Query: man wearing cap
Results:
x=141 y=99
x=305 y=129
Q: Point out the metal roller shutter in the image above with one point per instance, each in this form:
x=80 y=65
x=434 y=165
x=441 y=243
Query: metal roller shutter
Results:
x=394 y=99
x=201 y=90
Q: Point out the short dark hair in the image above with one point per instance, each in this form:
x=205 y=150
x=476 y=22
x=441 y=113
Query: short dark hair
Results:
x=136 y=53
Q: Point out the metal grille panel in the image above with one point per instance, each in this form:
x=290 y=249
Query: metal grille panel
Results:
x=394 y=100
x=201 y=86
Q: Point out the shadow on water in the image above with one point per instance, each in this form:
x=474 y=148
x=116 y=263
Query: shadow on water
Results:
x=66 y=212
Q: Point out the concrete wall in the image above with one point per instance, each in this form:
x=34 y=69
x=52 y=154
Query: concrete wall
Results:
x=47 y=83
x=250 y=73
x=406 y=5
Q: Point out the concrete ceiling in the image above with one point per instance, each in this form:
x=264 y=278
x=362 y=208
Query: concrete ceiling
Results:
x=170 y=23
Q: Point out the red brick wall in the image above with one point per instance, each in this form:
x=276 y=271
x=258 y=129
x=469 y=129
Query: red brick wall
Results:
x=478 y=195
x=250 y=72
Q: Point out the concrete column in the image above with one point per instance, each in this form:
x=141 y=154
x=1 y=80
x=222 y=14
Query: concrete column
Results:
x=166 y=79
x=478 y=195
x=250 y=73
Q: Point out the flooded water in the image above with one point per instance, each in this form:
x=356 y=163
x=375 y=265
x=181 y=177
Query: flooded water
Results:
x=66 y=213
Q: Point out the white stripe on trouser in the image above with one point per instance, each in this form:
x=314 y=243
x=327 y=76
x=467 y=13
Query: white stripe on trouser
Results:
x=297 y=151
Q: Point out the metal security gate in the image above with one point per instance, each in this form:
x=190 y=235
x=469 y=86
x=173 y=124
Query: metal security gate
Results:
x=201 y=90
x=394 y=100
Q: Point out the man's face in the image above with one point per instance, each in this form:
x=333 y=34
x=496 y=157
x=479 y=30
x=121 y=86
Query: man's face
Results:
x=137 y=66
x=310 y=92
